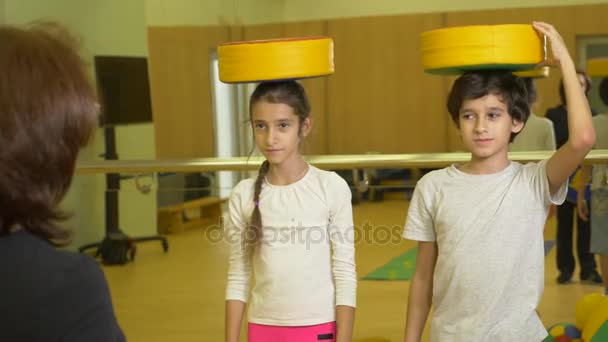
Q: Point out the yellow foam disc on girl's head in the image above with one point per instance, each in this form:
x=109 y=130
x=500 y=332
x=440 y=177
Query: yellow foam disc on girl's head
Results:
x=597 y=67
x=276 y=59
x=459 y=49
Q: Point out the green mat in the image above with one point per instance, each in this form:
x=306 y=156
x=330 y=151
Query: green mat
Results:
x=601 y=334
x=403 y=266
x=400 y=268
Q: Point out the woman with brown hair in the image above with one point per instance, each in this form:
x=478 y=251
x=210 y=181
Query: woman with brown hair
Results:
x=48 y=112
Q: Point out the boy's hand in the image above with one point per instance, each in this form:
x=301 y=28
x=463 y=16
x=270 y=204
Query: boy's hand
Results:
x=558 y=47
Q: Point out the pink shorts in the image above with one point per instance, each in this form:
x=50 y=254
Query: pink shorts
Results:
x=268 y=333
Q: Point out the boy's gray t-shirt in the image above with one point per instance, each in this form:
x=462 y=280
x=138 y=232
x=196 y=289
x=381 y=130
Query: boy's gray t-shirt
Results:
x=489 y=275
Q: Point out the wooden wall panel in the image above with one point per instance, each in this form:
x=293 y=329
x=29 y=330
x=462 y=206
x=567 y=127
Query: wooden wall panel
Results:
x=181 y=90
x=263 y=31
x=380 y=100
x=236 y=32
x=590 y=20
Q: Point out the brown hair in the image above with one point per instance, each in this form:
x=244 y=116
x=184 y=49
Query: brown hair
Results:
x=48 y=111
x=292 y=94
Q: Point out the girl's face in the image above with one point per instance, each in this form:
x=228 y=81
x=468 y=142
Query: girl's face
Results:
x=277 y=131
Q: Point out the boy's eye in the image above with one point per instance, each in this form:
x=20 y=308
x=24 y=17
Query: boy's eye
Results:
x=467 y=116
x=259 y=126
x=283 y=125
x=493 y=115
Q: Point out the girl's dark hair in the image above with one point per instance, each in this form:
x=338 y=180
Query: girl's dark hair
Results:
x=292 y=94
x=476 y=84
x=48 y=111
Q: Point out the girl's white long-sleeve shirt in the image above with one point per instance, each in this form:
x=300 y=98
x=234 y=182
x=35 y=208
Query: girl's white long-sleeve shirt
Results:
x=304 y=264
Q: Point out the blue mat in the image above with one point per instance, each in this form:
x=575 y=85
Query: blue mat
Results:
x=548 y=245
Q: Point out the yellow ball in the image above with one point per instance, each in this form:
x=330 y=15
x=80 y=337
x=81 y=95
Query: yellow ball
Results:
x=558 y=331
x=596 y=319
x=585 y=306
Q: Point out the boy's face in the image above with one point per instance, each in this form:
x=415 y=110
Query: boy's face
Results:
x=485 y=126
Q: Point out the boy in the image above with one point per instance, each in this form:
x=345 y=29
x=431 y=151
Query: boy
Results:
x=480 y=225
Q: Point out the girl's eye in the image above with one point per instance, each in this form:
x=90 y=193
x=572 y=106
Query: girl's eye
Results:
x=259 y=126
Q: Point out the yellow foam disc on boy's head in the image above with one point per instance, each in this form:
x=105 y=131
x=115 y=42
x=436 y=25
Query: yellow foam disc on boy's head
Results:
x=276 y=59
x=459 y=49
x=597 y=67
x=534 y=73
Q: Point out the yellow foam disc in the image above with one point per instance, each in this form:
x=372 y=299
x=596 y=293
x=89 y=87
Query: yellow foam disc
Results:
x=597 y=67
x=459 y=49
x=534 y=73
x=276 y=59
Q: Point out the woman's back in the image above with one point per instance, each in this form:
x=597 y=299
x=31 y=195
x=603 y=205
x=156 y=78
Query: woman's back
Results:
x=48 y=112
x=52 y=295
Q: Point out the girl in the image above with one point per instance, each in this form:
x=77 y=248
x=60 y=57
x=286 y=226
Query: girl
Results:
x=292 y=226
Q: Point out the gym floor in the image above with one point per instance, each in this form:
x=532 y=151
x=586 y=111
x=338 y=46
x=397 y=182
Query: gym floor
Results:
x=179 y=296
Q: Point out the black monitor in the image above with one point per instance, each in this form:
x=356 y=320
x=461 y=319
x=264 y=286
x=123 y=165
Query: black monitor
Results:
x=124 y=89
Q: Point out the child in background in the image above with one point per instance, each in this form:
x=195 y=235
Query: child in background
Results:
x=566 y=211
x=598 y=175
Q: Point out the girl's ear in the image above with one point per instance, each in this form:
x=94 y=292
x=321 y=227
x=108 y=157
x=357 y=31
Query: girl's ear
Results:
x=306 y=126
